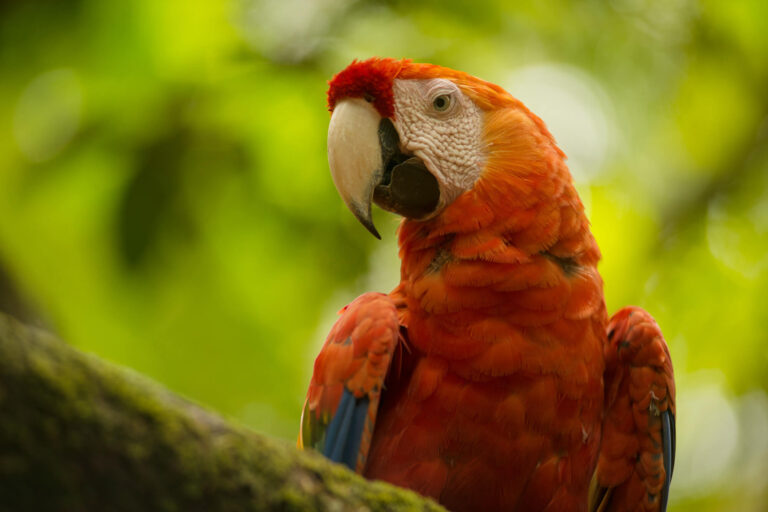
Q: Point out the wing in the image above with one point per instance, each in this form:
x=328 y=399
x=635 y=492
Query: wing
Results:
x=637 y=454
x=343 y=398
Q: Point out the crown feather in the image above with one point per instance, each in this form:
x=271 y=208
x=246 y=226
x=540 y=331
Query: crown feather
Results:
x=370 y=79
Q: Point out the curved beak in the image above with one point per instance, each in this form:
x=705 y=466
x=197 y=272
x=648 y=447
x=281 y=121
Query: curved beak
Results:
x=367 y=166
x=355 y=156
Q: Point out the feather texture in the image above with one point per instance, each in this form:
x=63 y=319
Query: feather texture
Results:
x=343 y=398
x=510 y=389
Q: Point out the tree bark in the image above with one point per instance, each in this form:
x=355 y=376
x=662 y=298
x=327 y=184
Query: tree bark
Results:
x=80 y=434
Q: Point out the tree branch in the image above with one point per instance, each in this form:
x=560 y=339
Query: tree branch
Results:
x=78 y=434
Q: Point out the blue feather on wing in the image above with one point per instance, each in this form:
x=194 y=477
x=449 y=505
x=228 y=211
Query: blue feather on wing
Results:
x=342 y=439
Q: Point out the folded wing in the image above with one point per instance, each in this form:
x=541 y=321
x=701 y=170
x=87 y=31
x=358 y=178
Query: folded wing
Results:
x=637 y=454
x=343 y=398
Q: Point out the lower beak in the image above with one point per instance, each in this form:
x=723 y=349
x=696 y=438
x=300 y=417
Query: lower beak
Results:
x=367 y=166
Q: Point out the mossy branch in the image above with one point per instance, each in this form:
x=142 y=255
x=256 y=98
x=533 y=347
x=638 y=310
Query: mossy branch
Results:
x=80 y=434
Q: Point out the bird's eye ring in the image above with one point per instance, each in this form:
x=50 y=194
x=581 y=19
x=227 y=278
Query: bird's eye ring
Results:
x=442 y=102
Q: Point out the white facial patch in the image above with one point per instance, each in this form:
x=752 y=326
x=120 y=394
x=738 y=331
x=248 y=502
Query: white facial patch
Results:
x=439 y=124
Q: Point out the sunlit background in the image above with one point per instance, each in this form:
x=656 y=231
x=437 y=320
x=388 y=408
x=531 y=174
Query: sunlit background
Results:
x=165 y=201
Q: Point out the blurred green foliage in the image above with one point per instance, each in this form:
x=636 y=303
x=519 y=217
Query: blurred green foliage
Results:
x=165 y=200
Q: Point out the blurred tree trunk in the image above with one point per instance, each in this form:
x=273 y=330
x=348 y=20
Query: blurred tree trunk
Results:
x=78 y=434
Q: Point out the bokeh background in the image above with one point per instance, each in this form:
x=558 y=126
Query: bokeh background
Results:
x=165 y=201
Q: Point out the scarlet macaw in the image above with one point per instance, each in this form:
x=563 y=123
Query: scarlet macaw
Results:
x=491 y=377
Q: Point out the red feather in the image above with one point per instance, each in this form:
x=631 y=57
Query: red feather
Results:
x=370 y=79
x=499 y=403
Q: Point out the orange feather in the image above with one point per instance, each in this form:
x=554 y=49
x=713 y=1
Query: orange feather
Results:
x=499 y=401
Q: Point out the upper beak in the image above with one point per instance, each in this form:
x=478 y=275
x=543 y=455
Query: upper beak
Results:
x=355 y=156
x=367 y=166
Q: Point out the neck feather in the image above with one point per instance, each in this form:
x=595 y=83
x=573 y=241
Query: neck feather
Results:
x=515 y=248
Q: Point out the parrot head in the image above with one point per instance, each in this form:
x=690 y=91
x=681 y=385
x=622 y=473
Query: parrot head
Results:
x=413 y=138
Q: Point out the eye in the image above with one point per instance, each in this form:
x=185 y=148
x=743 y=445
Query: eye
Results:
x=442 y=102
